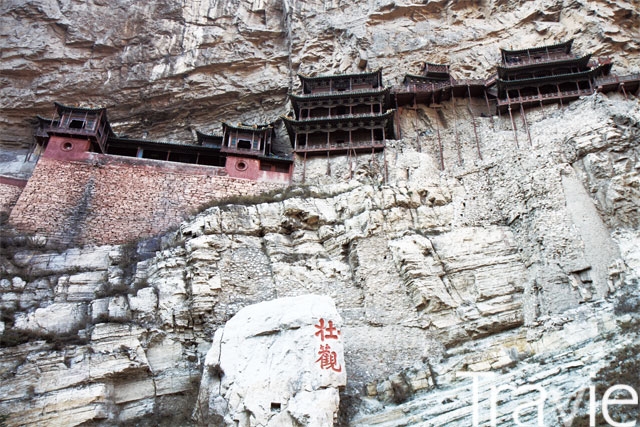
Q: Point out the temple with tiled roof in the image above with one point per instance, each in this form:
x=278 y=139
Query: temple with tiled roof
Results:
x=338 y=114
x=244 y=151
x=546 y=74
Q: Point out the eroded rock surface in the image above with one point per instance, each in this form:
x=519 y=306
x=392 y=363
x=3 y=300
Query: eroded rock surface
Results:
x=503 y=263
x=508 y=259
x=169 y=69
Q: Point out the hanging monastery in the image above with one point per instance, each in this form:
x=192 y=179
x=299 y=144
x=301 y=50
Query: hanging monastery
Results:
x=92 y=186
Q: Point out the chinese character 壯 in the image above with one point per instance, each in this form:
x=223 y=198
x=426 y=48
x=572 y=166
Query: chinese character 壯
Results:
x=329 y=332
x=328 y=359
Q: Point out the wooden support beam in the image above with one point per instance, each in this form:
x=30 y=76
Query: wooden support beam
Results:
x=455 y=128
x=540 y=99
x=397 y=114
x=526 y=125
x=486 y=98
x=386 y=168
x=328 y=164
x=439 y=142
x=559 y=95
x=473 y=120
x=304 y=167
x=513 y=124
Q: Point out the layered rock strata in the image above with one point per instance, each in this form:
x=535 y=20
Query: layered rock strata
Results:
x=504 y=263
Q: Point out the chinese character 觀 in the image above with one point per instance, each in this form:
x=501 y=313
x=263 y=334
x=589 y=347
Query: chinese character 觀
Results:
x=328 y=359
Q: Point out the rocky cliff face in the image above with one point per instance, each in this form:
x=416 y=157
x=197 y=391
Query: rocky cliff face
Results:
x=508 y=265
x=519 y=259
x=168 y=69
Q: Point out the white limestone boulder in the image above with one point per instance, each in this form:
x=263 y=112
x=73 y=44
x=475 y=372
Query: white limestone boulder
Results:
x=277 y=363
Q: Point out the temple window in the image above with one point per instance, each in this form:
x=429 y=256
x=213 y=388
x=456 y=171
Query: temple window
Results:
x=76 y=124
x=244 y=144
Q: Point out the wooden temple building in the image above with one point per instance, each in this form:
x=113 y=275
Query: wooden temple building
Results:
x=340 y=114
x=244 y=151
x=434 y=85
x=547 y=74
x=346 y=113
x=525 y=78
x=89 y=126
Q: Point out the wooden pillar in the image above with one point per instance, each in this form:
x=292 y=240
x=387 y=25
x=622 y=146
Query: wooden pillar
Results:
x=304 y=166
x=455 y=127
x=486 y=98
x=473 y=121
x=540 y=100
x=621 y=85
x=559 y=95
x=397 y=116
x=526 y=125
x=513 y=124
x=328 y=164
x=386 y=168
x=439 y=141
x=224 y=135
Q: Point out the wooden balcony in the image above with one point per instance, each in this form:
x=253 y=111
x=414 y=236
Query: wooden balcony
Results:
x=611 y=83
x=545 y=98
x=241 y=151
x=341 y=148
x=546 y=59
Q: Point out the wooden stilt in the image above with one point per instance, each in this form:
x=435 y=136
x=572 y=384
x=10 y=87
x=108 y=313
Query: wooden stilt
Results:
x=355 y=160
x=304 y=167
x=455 y=128
x=328 y=164
x=439 y=142
x=386 y=168
x=559 y=96
x=415 y=128
x=623 y=91
x=473 y=120
x=540 y=100
x=513 y=125
x=526 y=125
x=486 y=98
x=397 y=118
